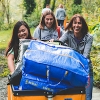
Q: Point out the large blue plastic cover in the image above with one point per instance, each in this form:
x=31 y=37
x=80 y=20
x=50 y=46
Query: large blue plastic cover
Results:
x=53 y=67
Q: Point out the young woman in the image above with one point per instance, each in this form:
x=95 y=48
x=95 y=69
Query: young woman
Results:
x=21 y=30
x=60 y=15
x=78 y=38
x=47 y=29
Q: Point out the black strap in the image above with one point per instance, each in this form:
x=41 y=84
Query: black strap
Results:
x=40 y=34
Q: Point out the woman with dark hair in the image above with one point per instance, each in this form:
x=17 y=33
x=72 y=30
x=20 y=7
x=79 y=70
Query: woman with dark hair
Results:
x=21 y=30
x=78 y=38
x=47 y=29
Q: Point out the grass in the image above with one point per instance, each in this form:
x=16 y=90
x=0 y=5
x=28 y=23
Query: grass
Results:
x=4 y=38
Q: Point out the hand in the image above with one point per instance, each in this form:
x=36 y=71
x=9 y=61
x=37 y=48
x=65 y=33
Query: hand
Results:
x=11 y=73
x=51 y=40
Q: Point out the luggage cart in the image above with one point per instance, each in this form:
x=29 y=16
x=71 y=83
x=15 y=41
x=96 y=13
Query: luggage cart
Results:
x=68 y=94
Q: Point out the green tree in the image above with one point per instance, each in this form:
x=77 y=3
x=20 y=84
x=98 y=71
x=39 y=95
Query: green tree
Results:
x=53 y=5
x=29 y=6
x=46 y=2
x=77 y=2
x=5 y=9
x=76 y=7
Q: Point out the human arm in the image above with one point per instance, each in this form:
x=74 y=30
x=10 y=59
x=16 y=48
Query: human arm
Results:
x=88 y=46
x=63 y=38
x=10 y=61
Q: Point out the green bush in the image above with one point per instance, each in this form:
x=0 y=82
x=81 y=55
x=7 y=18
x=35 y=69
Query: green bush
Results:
x=4 y=26
x=7 y=26
x=95 y=57
x=76 y=9
x=4 y=71
x=33 y=19
x=95 y=54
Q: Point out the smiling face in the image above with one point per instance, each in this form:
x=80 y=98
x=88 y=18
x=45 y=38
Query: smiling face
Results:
x=49 y=21
x=22 y=32
x=77 y=25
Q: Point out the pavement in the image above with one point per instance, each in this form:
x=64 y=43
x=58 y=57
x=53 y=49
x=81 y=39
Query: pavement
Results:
x=3 y=90
x=96 y=94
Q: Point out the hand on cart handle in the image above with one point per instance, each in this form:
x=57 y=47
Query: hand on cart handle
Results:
x=53 y=40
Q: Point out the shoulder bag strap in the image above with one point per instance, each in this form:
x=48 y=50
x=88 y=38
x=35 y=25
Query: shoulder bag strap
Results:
x=40 y=34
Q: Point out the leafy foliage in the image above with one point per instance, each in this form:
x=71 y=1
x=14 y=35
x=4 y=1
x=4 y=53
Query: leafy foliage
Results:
x=46 y=2
x=76 y=9
x=29 y=6
x=33 y=19
x=95 y=57
x=3 y=67
x=53 y=5
x=95 y=54
x=96 y=35
x=77 y=2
